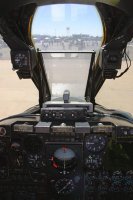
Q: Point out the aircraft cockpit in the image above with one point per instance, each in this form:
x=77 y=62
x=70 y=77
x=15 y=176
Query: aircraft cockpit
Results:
x=68 y=146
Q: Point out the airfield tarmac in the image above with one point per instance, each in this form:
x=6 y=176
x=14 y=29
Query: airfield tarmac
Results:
x=15 y=95
x=18 y=95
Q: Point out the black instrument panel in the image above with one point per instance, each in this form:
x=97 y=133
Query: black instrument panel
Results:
x=38 y=166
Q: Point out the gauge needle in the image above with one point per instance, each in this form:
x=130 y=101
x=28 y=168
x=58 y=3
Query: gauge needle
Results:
x=64 y=161
x=64 y=164
x=90 y=143
x=64 y=187
x=64 y=171
x=18 y=162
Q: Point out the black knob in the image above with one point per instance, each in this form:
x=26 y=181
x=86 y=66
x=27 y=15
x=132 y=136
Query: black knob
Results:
x=15 y=146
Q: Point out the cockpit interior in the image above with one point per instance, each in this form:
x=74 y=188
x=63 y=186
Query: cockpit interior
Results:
x=68 y=147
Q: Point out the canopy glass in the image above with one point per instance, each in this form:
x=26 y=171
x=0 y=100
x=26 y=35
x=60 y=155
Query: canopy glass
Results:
x=69 y=32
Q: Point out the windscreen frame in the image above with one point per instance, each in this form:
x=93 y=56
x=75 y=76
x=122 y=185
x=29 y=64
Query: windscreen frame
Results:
x=88 y=93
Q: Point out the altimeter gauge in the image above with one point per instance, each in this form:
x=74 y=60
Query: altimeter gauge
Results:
x=95 y=143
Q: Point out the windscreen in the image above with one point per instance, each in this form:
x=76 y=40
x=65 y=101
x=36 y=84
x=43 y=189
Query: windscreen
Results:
x=67 y=71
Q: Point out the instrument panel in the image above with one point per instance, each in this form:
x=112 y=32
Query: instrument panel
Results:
x=20 y=59
x=91 y=162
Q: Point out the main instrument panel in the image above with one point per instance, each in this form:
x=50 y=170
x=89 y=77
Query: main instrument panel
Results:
x=78 y=160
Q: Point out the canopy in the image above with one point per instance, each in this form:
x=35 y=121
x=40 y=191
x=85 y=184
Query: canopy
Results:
x=6 y=6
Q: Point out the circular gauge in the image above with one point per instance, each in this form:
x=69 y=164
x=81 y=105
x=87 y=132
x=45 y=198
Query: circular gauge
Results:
x=64 y=186
x=117 y=180
x=91 y=181
x=33 y=145
x=64 y=159
x=95 y=143
x=104 y=182
x=128 y=181
x=93 y=162
x=35 y=161
x=2 y=131
x=15 y=146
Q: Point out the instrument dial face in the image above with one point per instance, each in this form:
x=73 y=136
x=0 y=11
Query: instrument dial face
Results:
x=117 y=181
x=35 y=161
x=21 y=59
x=64 y=186
x=64 y=159
x=64 y=153
x=95 y=143
x=93 y=162
x=33 y=145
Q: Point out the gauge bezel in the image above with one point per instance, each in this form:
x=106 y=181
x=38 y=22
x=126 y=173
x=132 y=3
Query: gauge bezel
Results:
x=69 y=182
x=95 y=147
x=32 y=150
x=93 y=165
x=27 y=55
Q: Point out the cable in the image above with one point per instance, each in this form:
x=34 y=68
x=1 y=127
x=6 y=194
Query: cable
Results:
x=127 y=58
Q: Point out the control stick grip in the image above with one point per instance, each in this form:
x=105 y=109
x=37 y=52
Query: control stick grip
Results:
x=66 y=96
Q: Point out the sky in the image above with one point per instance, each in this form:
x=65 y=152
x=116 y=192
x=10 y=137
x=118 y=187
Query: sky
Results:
x=67 y=19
